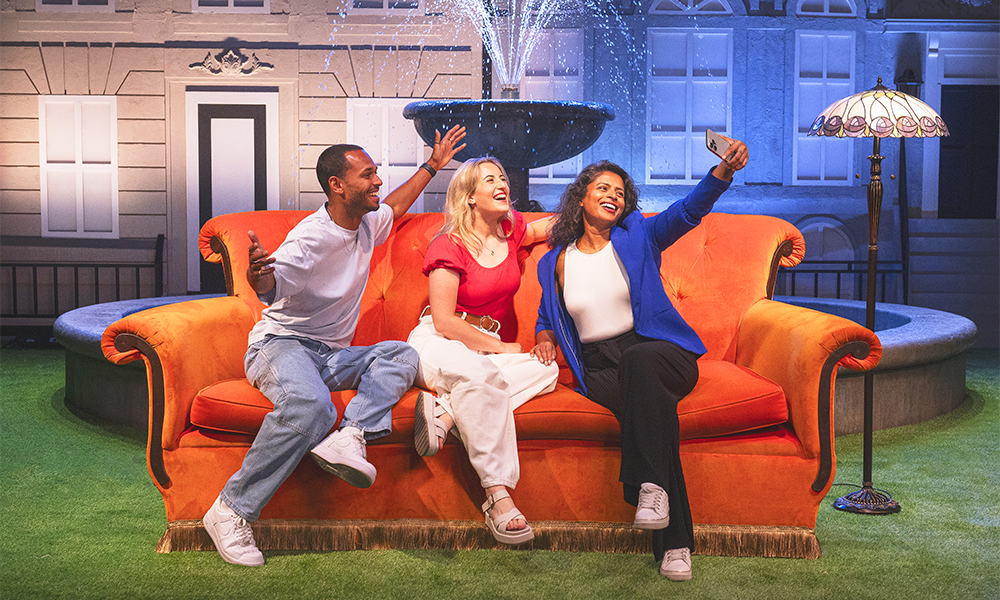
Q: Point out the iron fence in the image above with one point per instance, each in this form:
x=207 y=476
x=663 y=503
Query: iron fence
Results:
x=845 y=280
x=45 y=290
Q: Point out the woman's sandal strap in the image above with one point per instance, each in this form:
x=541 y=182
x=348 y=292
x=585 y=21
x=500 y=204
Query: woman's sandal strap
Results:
x=503 y=520
x=494 y=498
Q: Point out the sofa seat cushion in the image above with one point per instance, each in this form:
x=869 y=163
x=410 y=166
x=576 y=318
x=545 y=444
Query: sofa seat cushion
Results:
x=728 y=399
x=232 y=406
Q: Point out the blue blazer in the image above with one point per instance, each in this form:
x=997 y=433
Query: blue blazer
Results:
x=638 y=241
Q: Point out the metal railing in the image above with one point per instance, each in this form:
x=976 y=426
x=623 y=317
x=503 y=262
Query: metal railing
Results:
x=845 y=279
x=45 y=290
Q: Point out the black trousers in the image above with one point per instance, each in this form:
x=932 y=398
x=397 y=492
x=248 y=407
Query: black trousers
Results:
x=641 y=380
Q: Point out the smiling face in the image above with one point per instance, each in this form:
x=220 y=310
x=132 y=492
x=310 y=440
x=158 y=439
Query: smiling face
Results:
x=604 y=202
x=492 y=194
x=359 y=185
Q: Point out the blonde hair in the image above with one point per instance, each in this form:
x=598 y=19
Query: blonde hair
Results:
x=459 y=214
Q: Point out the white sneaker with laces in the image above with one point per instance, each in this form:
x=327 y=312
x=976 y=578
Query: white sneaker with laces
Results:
x=231 y=535
x=653 y=511
x=343 y=453
x=676 y=565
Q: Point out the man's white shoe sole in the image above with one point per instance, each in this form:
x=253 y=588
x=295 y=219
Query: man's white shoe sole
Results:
x=358 y=475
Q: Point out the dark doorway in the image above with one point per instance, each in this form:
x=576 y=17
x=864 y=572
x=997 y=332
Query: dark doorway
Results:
x=212 y=278
x=967 y=181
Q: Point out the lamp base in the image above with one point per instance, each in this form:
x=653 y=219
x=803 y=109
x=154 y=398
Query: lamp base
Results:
x=868 y=501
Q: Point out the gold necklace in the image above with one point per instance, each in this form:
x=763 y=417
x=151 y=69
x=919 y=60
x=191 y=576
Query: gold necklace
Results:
x=484 y=245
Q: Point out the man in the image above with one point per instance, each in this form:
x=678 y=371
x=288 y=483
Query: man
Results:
x=300 y=349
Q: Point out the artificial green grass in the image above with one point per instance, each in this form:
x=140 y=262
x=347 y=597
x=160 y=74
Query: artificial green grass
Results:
x=79 y=518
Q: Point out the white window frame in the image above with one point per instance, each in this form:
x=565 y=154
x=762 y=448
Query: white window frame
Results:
x=392 y=173
x=551 y=173
x=386 y=9
x=831 y=8
x=74 y=6
x=690 y=7
x=78 y=167
x=691 y=137
x=801 y=122
x=231 y=8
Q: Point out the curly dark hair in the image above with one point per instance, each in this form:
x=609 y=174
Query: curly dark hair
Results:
x=568 y=228
x=333 y=163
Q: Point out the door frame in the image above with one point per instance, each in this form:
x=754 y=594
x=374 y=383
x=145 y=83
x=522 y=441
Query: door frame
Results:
x=202 y=104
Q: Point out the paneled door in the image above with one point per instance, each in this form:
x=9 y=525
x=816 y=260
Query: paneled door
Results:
x=232 y=141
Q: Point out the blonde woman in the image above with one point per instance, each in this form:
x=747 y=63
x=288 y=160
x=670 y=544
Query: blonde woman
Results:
x=472 y=271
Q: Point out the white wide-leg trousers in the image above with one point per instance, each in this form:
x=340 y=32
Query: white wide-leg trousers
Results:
x=480 y=391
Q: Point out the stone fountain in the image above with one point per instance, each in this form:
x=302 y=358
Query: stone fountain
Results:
x=522 y=134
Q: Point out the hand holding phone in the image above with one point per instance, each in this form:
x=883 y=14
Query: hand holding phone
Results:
x=716 y=143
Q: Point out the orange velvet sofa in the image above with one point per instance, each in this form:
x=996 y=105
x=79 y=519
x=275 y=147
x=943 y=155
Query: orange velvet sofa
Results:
x=757 y=450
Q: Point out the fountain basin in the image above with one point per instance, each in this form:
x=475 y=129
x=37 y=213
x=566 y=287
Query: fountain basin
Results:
x=922 y=372
x=116 y=393
x=520 y=133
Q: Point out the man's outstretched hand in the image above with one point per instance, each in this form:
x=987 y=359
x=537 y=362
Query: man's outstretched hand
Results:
x=260 y=273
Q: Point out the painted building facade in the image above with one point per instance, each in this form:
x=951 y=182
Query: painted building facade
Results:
x=121 y=120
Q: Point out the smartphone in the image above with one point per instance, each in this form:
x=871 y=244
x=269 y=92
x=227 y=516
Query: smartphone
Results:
x=716 y=143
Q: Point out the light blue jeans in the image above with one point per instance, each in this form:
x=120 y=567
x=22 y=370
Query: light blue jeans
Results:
x=297 y=375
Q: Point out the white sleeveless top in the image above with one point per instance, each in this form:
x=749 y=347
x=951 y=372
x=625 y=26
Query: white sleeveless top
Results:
x=596 y=293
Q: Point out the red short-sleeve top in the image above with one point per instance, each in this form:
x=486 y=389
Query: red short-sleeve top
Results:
x=481 y=290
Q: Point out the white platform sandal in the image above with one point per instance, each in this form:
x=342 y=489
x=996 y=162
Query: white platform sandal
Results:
x=429 y=433
x=499 y=527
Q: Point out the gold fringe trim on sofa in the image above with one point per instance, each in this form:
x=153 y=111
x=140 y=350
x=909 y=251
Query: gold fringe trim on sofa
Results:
x=426 y=534
x=768 y=541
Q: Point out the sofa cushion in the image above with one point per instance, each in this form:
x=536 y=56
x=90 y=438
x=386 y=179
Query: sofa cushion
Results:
x=727 y=399
x=232 y=405
x=730 y=399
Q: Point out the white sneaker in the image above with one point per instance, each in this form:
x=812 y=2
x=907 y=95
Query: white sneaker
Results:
x=231 y=535
x=653 y=511
x=676 y=565
x=343 y=453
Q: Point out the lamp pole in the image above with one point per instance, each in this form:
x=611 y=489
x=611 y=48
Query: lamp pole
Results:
x=868 y=500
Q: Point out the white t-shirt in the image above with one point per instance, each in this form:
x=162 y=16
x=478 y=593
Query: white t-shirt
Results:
x=596 y=293
x=320 y=273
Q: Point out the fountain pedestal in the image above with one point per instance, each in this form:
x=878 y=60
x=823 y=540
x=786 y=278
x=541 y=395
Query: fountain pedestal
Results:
x=521 y=134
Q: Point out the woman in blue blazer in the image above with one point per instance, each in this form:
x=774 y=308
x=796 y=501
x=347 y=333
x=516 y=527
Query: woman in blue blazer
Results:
x=629 y=349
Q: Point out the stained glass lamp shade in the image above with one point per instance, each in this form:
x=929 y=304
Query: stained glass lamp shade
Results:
x=879 y=113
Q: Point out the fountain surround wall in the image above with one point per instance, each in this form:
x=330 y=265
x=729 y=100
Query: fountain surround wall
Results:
x=921 y=376
x=922 y=372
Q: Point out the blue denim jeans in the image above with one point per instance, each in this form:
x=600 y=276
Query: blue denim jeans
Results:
x=297 y=375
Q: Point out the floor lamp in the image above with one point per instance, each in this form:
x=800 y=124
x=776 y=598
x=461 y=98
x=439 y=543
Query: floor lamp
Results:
x=876 y=113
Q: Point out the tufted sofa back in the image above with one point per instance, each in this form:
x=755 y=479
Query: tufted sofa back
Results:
x=712 y=275
x=721 y=268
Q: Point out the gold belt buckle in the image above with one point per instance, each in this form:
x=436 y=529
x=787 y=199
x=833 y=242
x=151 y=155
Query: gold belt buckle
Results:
x=483 y=320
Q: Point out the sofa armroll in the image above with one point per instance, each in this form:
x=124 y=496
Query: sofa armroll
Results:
x=186 y=346
x=800 y=349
